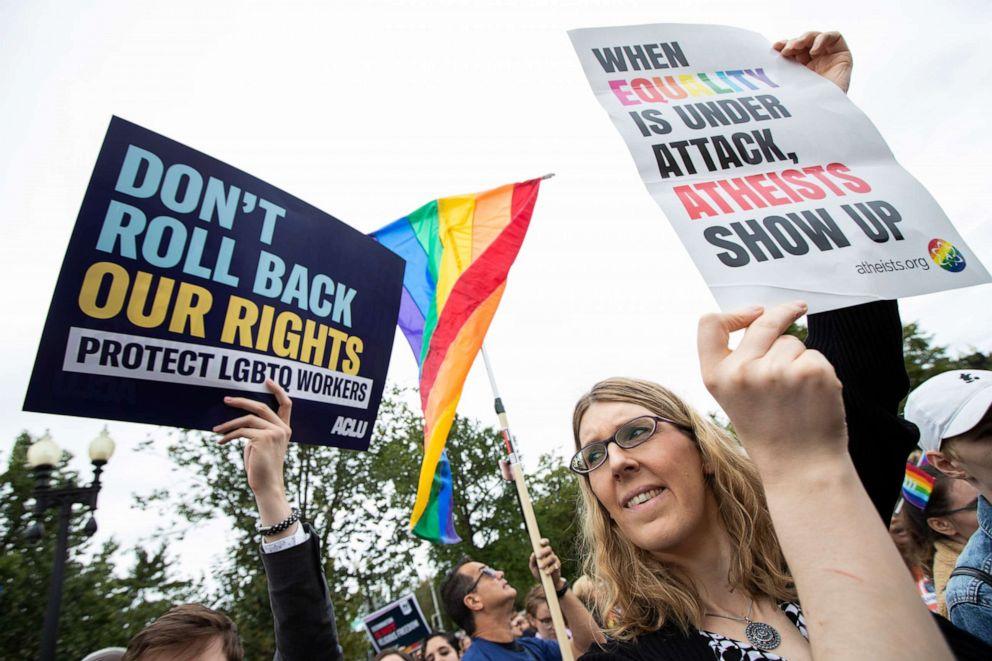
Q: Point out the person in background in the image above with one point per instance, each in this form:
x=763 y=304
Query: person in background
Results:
x=539 y=614
x=520 y=626
x=478 y=598
x=907 y=542
x=392 y=654
x=188 y=631
x=298 y=595
x=910 y=542
x=953 y=411
x=440 y=646
x=942 y=527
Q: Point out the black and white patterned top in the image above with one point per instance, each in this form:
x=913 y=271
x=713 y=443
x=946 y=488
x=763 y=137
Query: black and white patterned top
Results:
x=728 y=649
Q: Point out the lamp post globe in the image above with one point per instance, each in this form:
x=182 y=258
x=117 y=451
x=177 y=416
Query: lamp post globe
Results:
x=102 y=447
x=44 y=452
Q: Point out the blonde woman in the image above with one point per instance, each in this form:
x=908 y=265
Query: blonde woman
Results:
x=676 y=523
x=711 y=548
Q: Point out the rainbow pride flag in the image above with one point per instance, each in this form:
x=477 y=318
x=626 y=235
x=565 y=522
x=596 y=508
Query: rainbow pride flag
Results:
x=917 y=486
x=458 y=251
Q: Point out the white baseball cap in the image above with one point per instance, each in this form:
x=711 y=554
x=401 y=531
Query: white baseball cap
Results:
x=949 y=404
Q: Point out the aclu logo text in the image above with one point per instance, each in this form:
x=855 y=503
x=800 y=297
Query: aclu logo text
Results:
x=349 y=427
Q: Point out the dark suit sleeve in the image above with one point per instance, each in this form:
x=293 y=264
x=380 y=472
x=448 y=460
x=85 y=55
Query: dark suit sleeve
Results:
x=301 y=603
x=864 y=344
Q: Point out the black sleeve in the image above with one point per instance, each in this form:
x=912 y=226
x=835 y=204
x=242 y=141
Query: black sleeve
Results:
x=963 y=645
x=864 y=344
x=301 y=603
x=666 y=644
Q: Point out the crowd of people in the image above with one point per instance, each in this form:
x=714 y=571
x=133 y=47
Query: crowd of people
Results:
x=771 y=543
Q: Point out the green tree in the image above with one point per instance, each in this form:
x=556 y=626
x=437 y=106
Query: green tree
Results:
x=925 y=359
x=798 y=330
x=100 y=606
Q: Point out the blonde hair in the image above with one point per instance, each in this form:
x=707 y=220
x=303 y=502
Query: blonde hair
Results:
x=585 y=590
x=641 y=594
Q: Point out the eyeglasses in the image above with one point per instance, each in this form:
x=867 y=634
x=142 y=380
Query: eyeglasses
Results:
x=486 y=571
x=629 y=436
x=970 y=507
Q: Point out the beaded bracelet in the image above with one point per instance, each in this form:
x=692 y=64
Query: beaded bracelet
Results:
x=282 y=525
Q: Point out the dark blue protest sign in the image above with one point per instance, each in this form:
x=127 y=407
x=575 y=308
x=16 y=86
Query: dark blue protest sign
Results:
x=400 y=624
x=187 y=279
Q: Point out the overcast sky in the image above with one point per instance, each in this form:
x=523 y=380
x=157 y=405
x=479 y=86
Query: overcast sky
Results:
x=369 y=109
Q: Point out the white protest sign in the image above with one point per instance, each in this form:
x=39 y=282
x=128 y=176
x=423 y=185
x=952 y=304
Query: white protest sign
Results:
x=778 y=186
x=399 y=624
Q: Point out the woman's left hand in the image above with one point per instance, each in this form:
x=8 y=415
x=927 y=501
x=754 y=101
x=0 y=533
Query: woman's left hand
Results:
x=783 y=399
x=825 y=53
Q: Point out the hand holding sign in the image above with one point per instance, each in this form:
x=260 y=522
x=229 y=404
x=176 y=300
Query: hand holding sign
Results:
x=784 y=400
x=785 y=404
x=825 y=53
x=777 y=185
x=187 y=279
x=267 y=434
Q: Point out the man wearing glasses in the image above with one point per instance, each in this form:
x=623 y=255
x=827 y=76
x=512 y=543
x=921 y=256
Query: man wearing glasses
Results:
x=480 y=601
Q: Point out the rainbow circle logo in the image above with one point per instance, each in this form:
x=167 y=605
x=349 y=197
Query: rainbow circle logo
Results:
x=946 y=256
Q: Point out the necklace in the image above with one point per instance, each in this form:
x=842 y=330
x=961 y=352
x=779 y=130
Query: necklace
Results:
x=761 y=635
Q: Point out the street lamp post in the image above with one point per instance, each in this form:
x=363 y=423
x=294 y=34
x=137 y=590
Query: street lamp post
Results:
x=43 y=456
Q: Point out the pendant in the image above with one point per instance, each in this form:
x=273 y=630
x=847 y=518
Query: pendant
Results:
x=763 y=636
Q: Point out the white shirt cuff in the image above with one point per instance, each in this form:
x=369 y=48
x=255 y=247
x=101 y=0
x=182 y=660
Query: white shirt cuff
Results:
x=297 y=538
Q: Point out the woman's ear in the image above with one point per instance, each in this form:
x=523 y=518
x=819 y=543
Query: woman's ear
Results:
x=941 y=525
